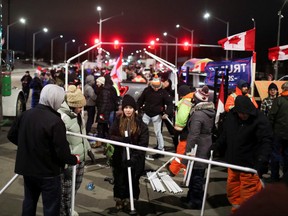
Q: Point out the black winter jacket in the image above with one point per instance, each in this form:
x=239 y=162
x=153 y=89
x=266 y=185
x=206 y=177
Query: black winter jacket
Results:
x=140 y=139
x=246 y=142
x=40 y=135
x=153 y=102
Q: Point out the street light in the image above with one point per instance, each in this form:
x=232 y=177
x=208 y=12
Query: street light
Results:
x=52 y=41
x=21 y=20
x=34 y=35
x=208 y=15
x=280 y=16
x=158 y=39
x=192 y=37
x=85 y=44
x=65 y=51
x=166 y=34
x=99 y=9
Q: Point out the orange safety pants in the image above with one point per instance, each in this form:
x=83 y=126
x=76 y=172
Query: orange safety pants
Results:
x=175 y=166
x=241 y=186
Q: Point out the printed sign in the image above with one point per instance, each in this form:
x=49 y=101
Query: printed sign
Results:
x=237 y=69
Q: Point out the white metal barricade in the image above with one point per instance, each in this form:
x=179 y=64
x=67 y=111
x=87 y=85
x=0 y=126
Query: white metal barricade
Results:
x=209 y=162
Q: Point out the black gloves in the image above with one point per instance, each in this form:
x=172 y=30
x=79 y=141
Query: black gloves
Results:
x=127 y=163
x=213 y=148
x=261 y=167
x=127 y=139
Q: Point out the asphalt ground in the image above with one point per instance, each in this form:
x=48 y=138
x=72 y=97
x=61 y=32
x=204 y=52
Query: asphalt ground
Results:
x=99 y=201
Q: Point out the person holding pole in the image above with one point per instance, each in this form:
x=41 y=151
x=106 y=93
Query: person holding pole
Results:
x=128 y=128
x=70 y=111
x=200 y=126
x=43 y=150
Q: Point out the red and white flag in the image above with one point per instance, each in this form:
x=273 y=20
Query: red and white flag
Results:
x=244 y=41
x=116 y=72
x=278 y=53
x=220 y=103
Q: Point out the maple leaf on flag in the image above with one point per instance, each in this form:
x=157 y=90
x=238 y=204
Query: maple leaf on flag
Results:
x=234 y=40
x=285 y=51
x=244 y=41
x=279 y=53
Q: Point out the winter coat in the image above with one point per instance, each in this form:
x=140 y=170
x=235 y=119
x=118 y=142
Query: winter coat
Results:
x=105 y=103
x=36 y=86
x=155 y=102
x=26 y=80
x=230 y=102
x=141 y=138
x=245 y=142
x=78 y=145
x=89 y=92
x=40 y=135
x=278 y=115
x=200 y=127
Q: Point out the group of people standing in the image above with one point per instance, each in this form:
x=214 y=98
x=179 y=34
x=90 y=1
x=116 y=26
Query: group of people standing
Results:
x=46 y=155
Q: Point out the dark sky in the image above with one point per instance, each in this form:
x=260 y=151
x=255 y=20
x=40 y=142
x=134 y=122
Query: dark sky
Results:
x=143 y=20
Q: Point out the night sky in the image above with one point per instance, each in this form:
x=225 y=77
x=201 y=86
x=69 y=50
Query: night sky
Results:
x=142 y=21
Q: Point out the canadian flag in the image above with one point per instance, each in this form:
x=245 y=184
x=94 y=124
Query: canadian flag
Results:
x=116 y=72
x=244 y=41
x=278 y=53
x=220 y=103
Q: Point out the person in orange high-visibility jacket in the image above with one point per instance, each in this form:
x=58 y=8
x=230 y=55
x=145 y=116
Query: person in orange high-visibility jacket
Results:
x=242 y=88
x=183 y=111
x=246 y=140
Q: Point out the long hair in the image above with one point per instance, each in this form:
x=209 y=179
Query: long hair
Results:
x=128 y=124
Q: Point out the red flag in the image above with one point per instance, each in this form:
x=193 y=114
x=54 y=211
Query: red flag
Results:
x=220 y=103
x=116 y=72
x=244 y=41
x=278 y=53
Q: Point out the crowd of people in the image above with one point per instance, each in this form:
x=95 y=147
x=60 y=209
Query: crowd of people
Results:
x=251 y=136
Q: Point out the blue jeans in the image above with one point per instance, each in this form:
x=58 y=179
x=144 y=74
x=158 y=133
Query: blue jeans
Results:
x=157 y=121
x=49 y=187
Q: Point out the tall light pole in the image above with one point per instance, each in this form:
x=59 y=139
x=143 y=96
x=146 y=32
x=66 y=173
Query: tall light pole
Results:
x=65 y=50
x=34 y=35
x=99 y=9
x=52 y=41
x=192 y=37
x=85 y=44
x=280 y=16
x=21 y=20
x=208 y=15
x=176 y=46
x=166 y=53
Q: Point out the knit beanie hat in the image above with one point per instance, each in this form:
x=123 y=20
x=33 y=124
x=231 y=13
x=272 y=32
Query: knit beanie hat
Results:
x=74 y=97
x=243 y=104
x=128 y=100
x=272 y=86
x=101 y=80
x=184 y=90
x=242 y=83
x=202 y=94
x=156 y=82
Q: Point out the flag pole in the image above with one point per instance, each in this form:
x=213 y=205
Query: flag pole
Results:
x=253 y=73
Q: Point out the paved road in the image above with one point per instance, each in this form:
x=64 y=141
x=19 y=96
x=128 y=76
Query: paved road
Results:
x=100 y=200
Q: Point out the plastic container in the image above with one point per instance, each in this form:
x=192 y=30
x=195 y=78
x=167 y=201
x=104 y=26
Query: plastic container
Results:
x=6 y=83
x=90 y=186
